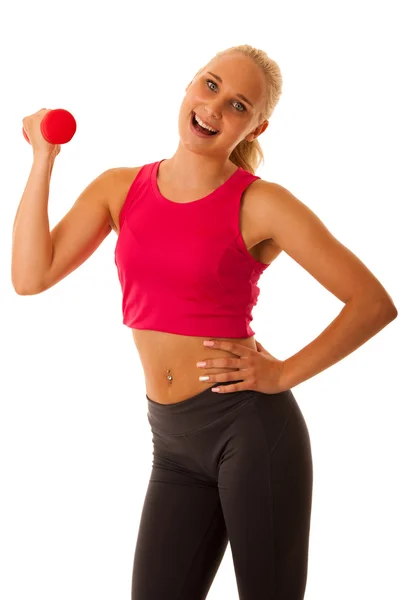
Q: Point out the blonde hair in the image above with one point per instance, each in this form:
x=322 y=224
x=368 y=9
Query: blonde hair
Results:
x=249 y=155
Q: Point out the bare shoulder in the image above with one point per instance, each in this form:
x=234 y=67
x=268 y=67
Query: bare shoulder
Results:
x=272 y=206
x=121 y=179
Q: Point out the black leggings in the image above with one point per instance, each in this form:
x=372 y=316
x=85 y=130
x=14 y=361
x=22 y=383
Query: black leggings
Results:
x=231 y=467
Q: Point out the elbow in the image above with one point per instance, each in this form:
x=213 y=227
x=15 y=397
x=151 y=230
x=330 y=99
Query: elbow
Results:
x=25 y=291
x=386 y=309
x=23 y=286
x=380 y=306
x=389 y=309
x=392 y=312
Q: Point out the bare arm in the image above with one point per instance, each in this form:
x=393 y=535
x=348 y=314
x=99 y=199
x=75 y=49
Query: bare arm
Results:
x=368 y=306
x=41 y=258
x=31 y=242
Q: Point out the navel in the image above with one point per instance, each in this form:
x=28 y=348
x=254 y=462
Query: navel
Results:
x=169 y=376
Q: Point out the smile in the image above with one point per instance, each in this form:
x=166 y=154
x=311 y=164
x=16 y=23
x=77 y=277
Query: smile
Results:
x=200 y=131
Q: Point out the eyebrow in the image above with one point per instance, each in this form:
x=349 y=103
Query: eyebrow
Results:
x=238 y=95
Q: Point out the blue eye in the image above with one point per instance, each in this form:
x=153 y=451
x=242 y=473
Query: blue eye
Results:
x=213 y=82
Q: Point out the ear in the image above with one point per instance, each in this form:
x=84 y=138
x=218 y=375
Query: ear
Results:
x=257 y=131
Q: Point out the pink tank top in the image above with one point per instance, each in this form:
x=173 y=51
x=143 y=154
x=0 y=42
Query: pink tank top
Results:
x=184 y=267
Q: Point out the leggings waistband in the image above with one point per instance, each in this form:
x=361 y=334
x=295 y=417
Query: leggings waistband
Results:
x=197 y=411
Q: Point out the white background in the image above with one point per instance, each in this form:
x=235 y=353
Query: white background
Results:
x=75 y=444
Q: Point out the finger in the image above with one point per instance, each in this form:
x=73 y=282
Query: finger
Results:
x=226 y=389
x=219 y=363
x=232 y=347
x=228 y=376
x=217 y=377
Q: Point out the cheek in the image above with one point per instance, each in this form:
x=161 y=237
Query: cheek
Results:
x=195 y=99
x=184 y=111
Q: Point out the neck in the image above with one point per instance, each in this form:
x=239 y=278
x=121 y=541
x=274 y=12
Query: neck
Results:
x=193 y=170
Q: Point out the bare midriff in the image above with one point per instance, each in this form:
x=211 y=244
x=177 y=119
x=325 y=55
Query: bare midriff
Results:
x=169 y=363
x=168 y=359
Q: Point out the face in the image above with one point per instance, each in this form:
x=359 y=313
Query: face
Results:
x=223 y=106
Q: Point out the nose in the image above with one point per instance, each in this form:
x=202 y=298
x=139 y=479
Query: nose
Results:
x=213 y=110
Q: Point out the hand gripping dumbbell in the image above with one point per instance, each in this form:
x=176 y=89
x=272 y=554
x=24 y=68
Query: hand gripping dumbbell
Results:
x=58 y=126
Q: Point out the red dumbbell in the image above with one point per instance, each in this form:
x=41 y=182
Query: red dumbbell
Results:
x=58 y=126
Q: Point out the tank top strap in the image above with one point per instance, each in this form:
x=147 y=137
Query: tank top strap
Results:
x=232 y=195
x=141 y=180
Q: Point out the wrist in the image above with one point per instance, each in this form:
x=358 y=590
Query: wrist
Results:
x=44 y=160
x=46 y=155
x=43 y=156
x=285 y=382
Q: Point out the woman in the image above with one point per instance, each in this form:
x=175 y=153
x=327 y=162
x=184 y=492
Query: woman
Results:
x=232 y=454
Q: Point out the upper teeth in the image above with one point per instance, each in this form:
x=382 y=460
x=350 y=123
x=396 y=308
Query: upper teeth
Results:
x=203 y=124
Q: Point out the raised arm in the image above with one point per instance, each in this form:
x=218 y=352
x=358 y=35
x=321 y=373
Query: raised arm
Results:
x=40 y=257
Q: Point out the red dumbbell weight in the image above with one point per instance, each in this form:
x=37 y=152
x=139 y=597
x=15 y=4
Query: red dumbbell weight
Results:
x=58 y=126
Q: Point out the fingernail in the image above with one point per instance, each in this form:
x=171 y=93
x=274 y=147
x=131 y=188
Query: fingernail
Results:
x=204 y=377
x=208 y=343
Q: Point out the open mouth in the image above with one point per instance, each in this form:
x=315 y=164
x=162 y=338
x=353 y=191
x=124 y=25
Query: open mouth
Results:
x=201 y=129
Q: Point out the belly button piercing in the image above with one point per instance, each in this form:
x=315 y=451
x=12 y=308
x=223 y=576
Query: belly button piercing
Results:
x=169 y=376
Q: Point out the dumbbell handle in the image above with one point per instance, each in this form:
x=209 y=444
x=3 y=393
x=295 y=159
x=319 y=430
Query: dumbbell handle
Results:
x=58 y=126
